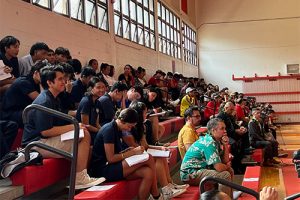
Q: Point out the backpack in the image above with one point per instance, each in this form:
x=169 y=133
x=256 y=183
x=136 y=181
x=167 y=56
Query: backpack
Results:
x=15 y=160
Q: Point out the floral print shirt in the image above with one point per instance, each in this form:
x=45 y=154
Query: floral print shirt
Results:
x=203 y=154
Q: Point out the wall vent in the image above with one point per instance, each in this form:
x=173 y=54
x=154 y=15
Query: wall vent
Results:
x=292 y=68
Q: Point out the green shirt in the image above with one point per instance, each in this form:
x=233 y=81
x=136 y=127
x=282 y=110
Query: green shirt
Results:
x=203 y=154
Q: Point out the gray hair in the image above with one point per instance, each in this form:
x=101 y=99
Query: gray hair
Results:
x=213 y=123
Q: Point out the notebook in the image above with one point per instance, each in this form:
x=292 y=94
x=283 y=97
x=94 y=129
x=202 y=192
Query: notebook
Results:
x=70 y=135
x=136 y=159
x=159 y=153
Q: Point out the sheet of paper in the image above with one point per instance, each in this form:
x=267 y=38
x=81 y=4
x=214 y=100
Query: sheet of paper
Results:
x=136 y=159
x=100 y=188
x=158 y=153
x=250 y=179
x=3 y=75
x=70 y=135
x=157 y=114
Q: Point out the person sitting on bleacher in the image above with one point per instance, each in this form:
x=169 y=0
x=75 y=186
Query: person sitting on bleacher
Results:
x=188 y=100
x=238 y=136
x=107 y=103
x=260 y=139
x=79 y=86
x=21 y=94
x=62 y=55
x=136 y=137
x=38 y=52
x=87 y=112
x=208 y=156
x=188 y=135
x=47 y=129
x=108 y=159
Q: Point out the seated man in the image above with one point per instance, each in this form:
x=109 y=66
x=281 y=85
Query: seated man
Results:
x=258 y=139
x=107 y=102
x=48 y=129
x=21 y=94
x=188 y=100
x=188 y=135
x=208 y=156
x=79 y=87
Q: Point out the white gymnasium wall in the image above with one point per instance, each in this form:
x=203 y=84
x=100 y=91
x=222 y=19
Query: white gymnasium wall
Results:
x=246 y=37
x=31 y=24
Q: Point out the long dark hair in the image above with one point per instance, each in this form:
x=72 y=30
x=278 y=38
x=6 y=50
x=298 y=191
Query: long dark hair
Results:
x=139 y=130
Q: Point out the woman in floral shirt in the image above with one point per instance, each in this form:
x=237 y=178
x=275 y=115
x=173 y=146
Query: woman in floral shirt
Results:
x=208 y=156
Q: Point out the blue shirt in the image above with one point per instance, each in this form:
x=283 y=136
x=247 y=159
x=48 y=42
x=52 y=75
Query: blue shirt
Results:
x=40 y=121
x=107 y=109
x=88 y=107
x=16 y=97
x=108 y=134
x=78 y=91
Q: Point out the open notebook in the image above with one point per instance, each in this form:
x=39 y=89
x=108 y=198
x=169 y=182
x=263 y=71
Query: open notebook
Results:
x=70 y=135
x=158 y=153
x=136 y=159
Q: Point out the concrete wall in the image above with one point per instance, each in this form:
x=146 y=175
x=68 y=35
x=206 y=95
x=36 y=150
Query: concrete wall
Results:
x=31 y=24
x=246 y=37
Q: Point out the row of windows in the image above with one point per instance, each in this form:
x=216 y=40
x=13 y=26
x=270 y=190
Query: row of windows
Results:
x=134 y=20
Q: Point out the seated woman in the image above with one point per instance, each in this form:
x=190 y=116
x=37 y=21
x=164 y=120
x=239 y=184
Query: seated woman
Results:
x=137 y=137
x=108 y=159
x=87 y=112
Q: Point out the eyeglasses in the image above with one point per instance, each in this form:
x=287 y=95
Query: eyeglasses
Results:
x=197 y=116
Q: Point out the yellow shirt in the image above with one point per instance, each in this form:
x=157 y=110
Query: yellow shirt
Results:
x=186 y=102
x=187 y=135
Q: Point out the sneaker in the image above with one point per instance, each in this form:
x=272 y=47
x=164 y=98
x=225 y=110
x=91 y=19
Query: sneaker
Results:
x=161 y=197
x=236 y=194
x=282 y=155
x=275 y=161
x=169 y=193
x=175 y=186
x=83 y=180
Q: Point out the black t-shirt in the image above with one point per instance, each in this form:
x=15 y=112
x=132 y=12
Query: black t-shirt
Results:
x=108 y=134
x=107 y=109
x=88 y=107
x=13 y=63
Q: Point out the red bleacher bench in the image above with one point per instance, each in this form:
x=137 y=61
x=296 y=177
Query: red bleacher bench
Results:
x=37 y=177
x=258 y=155
x=172 y=125
x=251 y=180
x=126 y=189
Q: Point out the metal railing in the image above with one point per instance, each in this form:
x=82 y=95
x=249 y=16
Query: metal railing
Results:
x=292 y=197
x=229 y=184
x=72 y=157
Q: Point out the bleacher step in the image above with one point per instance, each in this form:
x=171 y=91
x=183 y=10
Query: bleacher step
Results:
x=11 y=192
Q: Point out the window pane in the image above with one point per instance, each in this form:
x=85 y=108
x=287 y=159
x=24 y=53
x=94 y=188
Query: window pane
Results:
x=117 y=25
x=152 y=41
x=90 y=13
x=163 y=12
x=140 y=35
x=146 y=3
x=139 y=1
x=133 y=33
x=152 y=22
x=60 y=6
x=104 y=1
x=102 y=18
x=158 y=9
x=167 y=16
x=160 y=44
x=159 y=26
x=163 y=29
x=125 y=5
x=117 y=5
x=151 y=5
x=132 y=10
x=171 y=19
x=146 y=18
x=168 y=31
x=147 y=39
x=125 y=29
x=44 y=3
x=76 y=9
x=140 y=14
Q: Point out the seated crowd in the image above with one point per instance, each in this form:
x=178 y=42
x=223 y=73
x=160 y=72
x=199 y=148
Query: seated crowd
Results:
x=115 y=116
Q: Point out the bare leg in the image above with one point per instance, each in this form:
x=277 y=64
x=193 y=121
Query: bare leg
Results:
x=83 y=152
x=161 y=172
